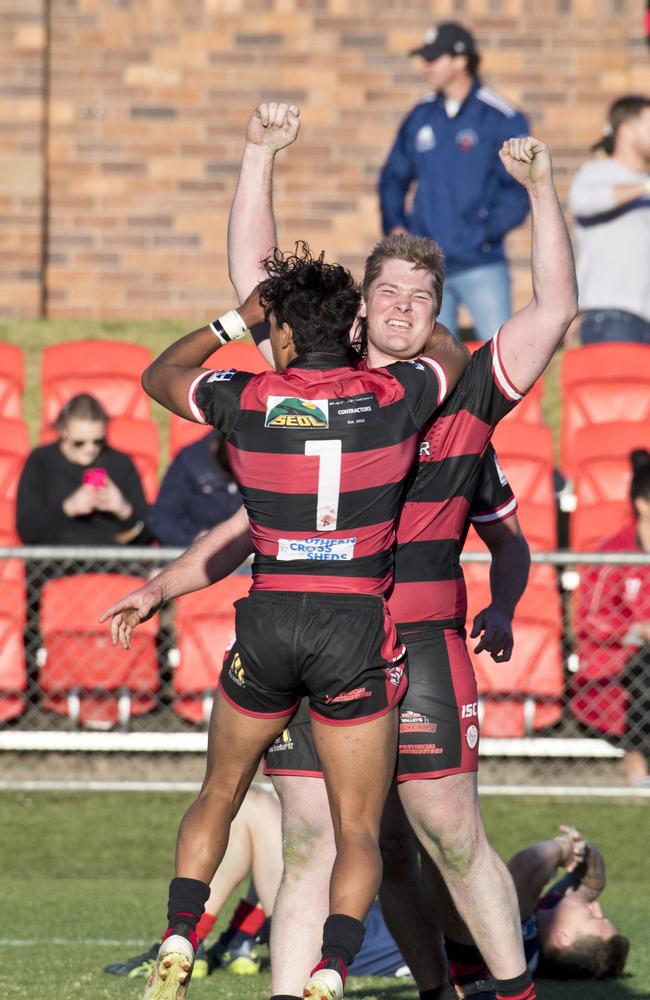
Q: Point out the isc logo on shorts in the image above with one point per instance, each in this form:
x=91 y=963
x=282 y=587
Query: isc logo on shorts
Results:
x=236 y=671
x=288 y=411
x=469 y=711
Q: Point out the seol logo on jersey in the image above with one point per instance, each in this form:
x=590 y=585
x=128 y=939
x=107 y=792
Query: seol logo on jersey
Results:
x=287 y=411
x=222 y=376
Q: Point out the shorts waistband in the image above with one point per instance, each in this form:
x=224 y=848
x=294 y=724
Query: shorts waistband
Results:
x=304 y=598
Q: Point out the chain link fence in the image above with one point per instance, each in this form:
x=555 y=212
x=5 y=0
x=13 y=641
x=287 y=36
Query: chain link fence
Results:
x=574 y=697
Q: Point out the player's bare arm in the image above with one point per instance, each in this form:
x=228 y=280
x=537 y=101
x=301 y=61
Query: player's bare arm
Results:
x=528 y=339
x=508 y=577
x=449 y=352
x=169 y=378
x=251 y=226
x=591 y=872
x=537 y=864
x=212 y=557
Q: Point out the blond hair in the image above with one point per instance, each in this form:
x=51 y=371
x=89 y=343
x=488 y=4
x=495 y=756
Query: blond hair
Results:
x=420 y=251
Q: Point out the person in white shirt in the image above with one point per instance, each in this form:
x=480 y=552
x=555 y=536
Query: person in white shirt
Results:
x=610 y=203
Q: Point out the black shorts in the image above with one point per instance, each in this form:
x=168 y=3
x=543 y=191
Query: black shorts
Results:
x=439 y=732
x=341 y=650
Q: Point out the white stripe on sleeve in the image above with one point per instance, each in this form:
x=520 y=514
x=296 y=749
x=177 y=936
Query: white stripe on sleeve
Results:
x=502 y=379
x=192 y=402
x=440 y=372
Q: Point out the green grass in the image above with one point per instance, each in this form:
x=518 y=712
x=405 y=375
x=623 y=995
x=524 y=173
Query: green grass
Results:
x=95 y=866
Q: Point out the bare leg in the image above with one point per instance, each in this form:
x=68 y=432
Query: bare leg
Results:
x=408 y=913
x=235 y=744
x=309 y=852
x=349 y=755
x=255 y=843
x=446 y=818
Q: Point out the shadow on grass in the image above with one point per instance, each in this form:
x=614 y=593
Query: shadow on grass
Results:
x=362 y=988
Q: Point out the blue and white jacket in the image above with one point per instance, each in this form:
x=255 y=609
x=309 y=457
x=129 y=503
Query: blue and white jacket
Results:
x=465 y=199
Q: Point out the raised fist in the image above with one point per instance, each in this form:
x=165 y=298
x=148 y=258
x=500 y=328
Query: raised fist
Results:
x=528 y=160
x=273 y=125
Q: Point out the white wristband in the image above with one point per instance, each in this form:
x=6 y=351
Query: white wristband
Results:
x=233 y=324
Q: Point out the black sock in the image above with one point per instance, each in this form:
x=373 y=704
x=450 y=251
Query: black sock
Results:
x=187 y=899
x=342 y=937
x=443 y=992
x=284 y=996
x=522 y=987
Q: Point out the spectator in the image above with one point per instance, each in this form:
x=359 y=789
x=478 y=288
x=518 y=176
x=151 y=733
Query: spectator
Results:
x=78 y=490
x=610 y=203
x=612 y=687
x=464 y=200
x=198 y=491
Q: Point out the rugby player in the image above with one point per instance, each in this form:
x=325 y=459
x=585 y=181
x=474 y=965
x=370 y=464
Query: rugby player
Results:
x=445 y=812
x=322 y=490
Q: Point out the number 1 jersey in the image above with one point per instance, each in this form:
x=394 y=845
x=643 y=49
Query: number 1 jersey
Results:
x=321 y=452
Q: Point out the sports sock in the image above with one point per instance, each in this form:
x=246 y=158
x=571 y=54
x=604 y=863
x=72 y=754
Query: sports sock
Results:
x=443 y=992
x=342 y=939
x=205 y=925
x=247 y=918
x=466 y=963
x=520 y=988
x=187 y=899
x=284 y=996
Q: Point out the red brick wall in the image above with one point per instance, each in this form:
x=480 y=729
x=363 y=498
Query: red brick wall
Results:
x=22 y=76
x=148 y=103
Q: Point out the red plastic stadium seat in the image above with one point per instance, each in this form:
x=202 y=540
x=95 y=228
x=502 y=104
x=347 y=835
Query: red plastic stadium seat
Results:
x=205 y=628
x=603 y=473
x=520 y=697
x=12 y=381
x=14 y=449
x=525 y=452
x=529 y=410
x=242 y=355
x=10 y=569
x=139 y=440
x=13 y=675
x=110 y=370
x=84 y=675
x=602 y=383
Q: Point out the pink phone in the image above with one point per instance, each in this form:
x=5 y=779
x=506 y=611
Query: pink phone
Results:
x=95 y=477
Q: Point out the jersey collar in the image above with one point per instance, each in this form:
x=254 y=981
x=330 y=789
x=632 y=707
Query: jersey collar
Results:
x=318 y=359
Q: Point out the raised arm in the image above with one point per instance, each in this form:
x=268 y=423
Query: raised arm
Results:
x=528 y=339
x=251 y=226
x=169 y=378
x=537 y=864
x=212 y=557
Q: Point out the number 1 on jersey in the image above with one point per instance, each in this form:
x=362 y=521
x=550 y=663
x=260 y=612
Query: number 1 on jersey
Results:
x=329 y=482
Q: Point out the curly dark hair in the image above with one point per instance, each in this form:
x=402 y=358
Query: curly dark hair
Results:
x=318 y=301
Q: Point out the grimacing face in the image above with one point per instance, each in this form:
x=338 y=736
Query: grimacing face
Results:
x=576 y=918
x=401 y=309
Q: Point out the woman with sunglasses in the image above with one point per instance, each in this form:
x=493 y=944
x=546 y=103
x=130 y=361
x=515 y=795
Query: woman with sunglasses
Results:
x=78 y=490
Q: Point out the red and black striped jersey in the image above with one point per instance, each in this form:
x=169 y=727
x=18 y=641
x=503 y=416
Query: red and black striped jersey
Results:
x=321 y=453
x=450 y=484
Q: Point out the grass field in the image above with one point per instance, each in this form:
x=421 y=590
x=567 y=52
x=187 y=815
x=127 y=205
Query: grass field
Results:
x=84 y=879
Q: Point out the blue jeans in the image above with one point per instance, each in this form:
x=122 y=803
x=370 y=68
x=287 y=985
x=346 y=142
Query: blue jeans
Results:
x=600 y=326
x=484 y=291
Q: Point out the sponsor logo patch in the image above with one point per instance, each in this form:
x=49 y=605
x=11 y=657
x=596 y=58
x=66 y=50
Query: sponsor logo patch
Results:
x=288 y=411
x=236 y=671
x=354 y=695
x=335 y=549
x=466 y=139
x=283 y=742
x=471 y=736
x=503 y=479
x=425 y=139
x=222 y=376
x=420 y=748
x=469 y=711
x=413 y=722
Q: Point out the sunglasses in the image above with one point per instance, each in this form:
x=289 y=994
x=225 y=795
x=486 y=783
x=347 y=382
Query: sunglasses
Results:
x=97 y=442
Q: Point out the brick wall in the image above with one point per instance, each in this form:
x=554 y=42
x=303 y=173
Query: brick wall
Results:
x=22 y=88
x=148 y=101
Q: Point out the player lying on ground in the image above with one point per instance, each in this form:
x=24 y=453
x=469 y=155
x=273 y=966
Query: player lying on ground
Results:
x=565 y=932
x=313 y=480
x=481 y=888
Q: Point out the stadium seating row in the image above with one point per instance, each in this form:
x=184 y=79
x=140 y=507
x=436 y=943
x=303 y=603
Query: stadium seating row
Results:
x=83 y=676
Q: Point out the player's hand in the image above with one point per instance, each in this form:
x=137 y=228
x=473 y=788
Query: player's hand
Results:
x=497 y=637
x=127 y=613
x=251 y=310
x=528 y=160
x=575 y=847
x=273 y=125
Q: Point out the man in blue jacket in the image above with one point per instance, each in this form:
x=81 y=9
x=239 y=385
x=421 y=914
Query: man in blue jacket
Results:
x=464 y=199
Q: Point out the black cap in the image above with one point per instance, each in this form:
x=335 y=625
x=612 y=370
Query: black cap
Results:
x=448 y=38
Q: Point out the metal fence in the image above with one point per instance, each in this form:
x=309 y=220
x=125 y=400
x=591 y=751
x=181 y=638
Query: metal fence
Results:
x=574 y=697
